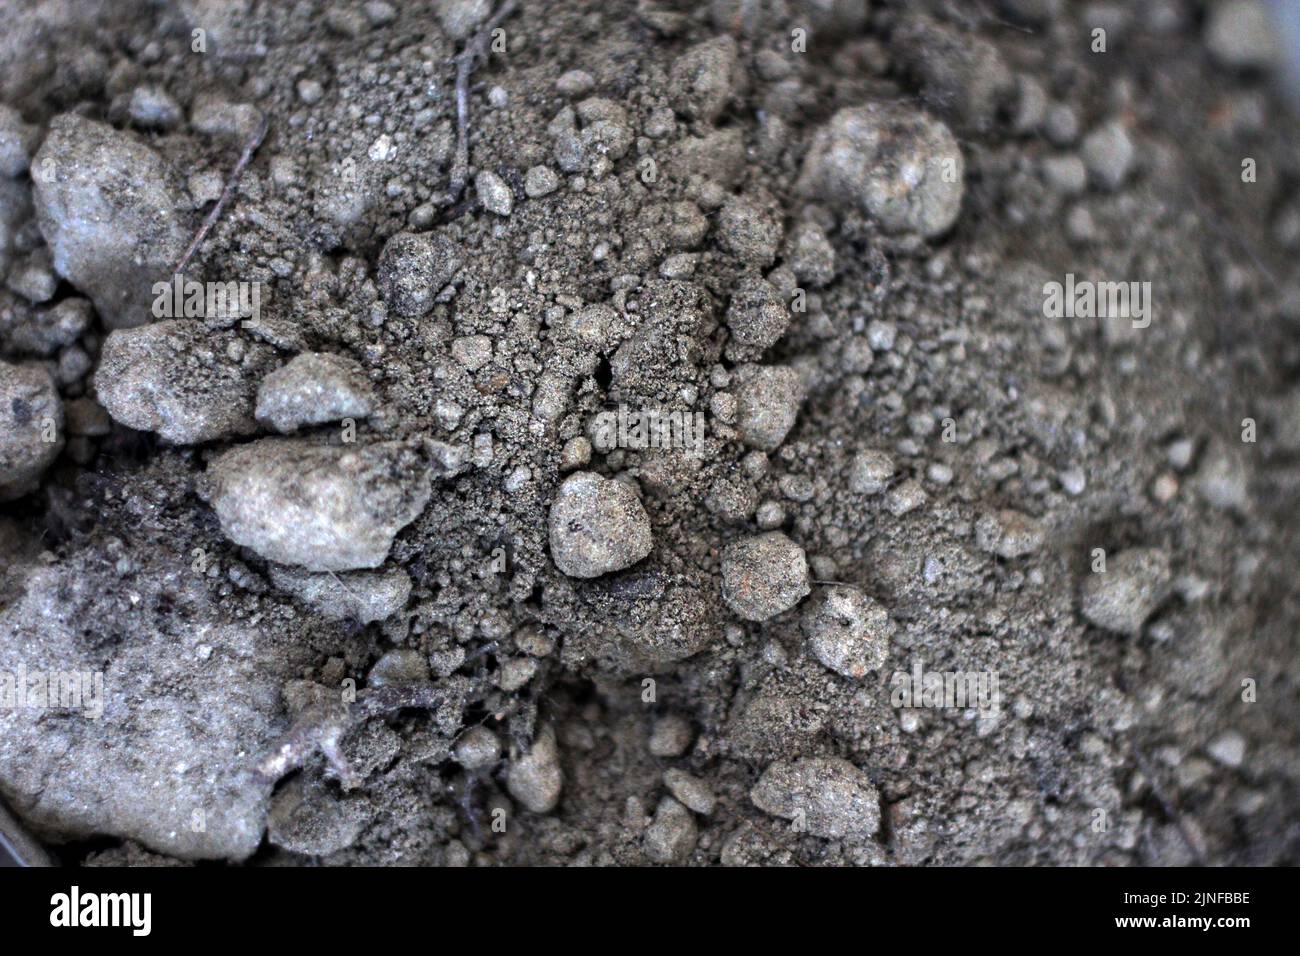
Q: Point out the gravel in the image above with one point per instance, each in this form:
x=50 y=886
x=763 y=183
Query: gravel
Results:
x=477 y=749
x=33 y=279
x=413 y=269
x=1228 y=749
x=494 y=194
x=305 y=819
x=1240 y=35
x=847 y=631
x=1109 y=154
x=402 y=665
x=672 y=735
x=109 y=207
x=749 y=231
x=756 y=316
x=320 y=507
x=1009 y=534
x=460 y=18
x=17 y=141
x=825 y=797
x=361 y=596
x=702 y=78
x=154 y=108
x=768 y=399
x=962 y=76
x=535 y=779
x=176 y=378
x=764 y=575
x=870 y=471
x=45 y=330
x=899 y=166
x=809 y=254
x=1066 y=174
x=671 y=836
x=597 y=525
x=540 y=181
x=1121 y=598
x=311 y=389
x=31 y=427
x=695 y=794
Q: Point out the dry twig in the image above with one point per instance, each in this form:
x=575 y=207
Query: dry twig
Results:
x=475 y=51
x=250 y=147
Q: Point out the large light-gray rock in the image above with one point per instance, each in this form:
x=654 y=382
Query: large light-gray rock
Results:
x=163 y=708
x=110 y=210
x=176 y=378
x=321 y=507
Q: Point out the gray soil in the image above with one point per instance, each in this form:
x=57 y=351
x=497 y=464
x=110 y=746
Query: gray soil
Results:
x=364 y=584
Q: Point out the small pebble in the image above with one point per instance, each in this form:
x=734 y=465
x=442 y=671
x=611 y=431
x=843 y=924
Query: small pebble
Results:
x=869 y=471
x=575 y=83
x=764 y=575
x=1241 y=35
x=905 y=498
x=1109 y=154
x=1122 y=597
x=597 y=525
x=494 y=194
x=671 y=736
x=535 y=779
x=826 y=797
x=540 y=181
x=847 y=630
x=693 y=792
x=1228 y=749
x=672 y=834
x=313 y=388
x=1009 y=534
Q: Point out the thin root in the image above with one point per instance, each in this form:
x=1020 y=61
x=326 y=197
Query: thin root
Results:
x=475 y=51
x=324 y=726
x=250 y=147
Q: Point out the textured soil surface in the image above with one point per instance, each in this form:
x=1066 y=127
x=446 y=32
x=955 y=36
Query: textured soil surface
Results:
x=382 y=570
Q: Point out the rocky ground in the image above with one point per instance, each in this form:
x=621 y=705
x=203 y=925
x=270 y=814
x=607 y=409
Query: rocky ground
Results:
x=364 y=579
